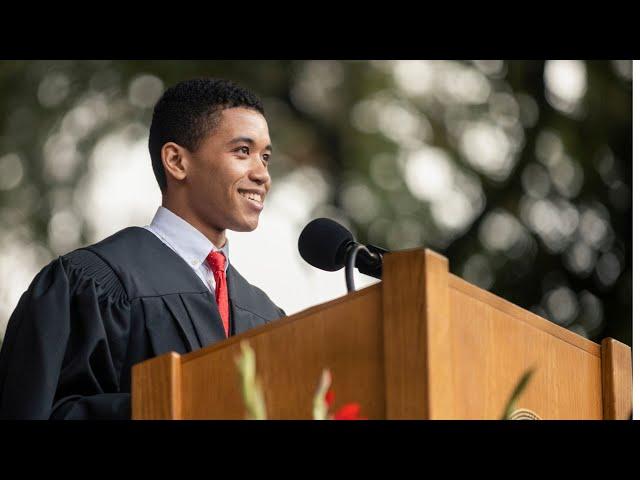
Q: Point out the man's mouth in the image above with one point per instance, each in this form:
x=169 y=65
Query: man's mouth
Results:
x=256 y=198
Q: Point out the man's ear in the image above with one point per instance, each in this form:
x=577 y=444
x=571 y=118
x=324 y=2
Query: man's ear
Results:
x=175 y=160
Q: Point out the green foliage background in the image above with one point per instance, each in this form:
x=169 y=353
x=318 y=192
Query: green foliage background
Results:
x=349 y=120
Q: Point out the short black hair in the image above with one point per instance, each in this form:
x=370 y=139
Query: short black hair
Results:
x=187 y=112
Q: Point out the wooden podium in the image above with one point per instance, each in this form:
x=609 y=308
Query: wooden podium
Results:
x=421 y=344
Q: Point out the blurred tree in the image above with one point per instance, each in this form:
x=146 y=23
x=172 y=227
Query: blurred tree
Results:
x=518 y=171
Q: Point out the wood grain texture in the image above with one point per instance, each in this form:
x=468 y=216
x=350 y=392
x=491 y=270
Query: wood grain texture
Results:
x=616 y=380
x=522 y=315
x=422 y=344
x=417 y=348
x=156 y=389
x=495 y=342
x=344 y=335
x=441 y=395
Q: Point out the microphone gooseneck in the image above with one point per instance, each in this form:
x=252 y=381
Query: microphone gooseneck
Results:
x=351 y=261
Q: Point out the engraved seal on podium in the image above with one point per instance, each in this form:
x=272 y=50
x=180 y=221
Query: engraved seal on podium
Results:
x=524 y=414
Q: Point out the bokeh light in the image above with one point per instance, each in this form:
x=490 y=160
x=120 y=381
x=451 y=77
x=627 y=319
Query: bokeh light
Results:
x=518 y=171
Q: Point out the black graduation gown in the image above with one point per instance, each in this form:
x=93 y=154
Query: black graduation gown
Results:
x=92 y=314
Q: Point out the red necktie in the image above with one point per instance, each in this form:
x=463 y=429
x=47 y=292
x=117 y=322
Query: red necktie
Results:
x=216 y=261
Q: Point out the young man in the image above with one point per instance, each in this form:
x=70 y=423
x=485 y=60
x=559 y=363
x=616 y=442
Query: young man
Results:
x=92 y=314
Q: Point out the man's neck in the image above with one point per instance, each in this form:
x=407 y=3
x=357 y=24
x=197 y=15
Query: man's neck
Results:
x=216 y=236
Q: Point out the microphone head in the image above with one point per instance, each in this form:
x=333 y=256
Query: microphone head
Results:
x=321 y=244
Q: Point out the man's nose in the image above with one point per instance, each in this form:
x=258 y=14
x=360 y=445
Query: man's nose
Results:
x=259 y=173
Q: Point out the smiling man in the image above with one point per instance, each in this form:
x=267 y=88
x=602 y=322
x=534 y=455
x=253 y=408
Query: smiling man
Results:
x=92 y=314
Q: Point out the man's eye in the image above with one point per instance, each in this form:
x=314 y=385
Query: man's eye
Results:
x=266 y=157
x=244 y=150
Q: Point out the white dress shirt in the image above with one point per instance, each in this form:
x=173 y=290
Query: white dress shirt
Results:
x=188 y=242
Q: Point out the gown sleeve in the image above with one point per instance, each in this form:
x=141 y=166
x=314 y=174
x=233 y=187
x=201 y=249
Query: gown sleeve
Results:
x=66 y=343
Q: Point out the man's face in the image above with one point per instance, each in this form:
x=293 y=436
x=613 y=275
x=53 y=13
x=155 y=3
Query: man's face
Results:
x=228 y=178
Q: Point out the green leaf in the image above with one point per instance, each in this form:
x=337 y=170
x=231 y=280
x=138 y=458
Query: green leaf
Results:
x=320 y=410
x=517 y=391
x=251 y=389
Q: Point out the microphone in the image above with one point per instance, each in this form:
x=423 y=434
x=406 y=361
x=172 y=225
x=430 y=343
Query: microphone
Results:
x=329 y=246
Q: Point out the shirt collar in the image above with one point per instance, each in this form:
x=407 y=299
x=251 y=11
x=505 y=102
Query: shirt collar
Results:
x=185 y=239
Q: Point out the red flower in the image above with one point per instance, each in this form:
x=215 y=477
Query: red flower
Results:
x=329 y=397
x=350 y=411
